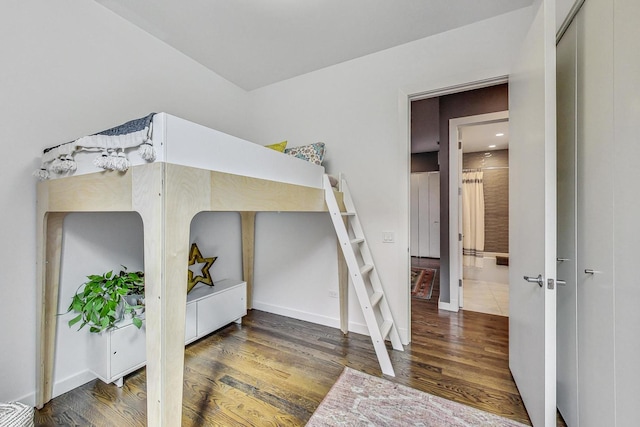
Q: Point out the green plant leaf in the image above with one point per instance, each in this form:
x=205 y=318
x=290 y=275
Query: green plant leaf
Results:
x=137 y=322
x=97 y=299
x=75 y=320
x=76 y=304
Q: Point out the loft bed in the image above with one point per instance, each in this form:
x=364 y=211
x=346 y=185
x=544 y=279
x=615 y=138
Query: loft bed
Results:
x=179 y=170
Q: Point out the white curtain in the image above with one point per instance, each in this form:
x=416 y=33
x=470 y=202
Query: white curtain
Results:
x=472 y=218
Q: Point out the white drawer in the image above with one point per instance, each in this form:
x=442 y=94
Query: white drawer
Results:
x=190 y=325
x=221 y=308
x=127 y=349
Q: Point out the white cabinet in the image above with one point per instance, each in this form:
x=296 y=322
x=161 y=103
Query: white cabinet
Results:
x=425 y=214
x=211 y=307
x=118 y=352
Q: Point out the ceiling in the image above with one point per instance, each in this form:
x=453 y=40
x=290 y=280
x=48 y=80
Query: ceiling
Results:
x=481 y=137
x=254 y=43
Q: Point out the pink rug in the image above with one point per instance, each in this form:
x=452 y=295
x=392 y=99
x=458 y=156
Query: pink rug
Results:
x=359 y=399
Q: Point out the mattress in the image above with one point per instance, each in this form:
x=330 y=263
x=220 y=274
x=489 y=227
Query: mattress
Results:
x=171 y=139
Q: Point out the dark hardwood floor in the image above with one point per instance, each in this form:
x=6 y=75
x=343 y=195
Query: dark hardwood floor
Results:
x=275 y=371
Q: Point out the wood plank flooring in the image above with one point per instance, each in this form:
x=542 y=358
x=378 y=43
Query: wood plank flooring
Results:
x=275 y=371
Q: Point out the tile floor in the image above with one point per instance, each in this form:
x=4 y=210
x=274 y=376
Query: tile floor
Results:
x=480 y=296
x=486 y=297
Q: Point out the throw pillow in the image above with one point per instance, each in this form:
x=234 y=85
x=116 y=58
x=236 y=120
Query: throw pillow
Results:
x=313 y=153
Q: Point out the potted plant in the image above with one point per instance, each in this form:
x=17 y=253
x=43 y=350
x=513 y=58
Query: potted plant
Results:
x=105 y=299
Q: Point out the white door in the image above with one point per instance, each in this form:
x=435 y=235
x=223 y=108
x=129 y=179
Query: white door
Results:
x=434 y=214
x=423 y=211
x=415 y=214
x=567 y=336
x=597 y=143
x=532 y=214
x=425 y=214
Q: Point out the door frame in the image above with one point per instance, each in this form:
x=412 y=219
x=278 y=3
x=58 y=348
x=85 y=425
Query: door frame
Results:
x=405 y=97
x=455 y=205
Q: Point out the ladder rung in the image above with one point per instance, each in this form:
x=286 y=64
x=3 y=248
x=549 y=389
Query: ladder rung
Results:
x=375 y=298
x=365 y=269
x=385 y=328
x=370 y=295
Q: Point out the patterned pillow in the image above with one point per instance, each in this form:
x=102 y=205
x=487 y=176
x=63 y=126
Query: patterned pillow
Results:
x=313 y=153
x=280 y=146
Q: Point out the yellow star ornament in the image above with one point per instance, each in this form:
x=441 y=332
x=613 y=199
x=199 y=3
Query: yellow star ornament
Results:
x=201 y=266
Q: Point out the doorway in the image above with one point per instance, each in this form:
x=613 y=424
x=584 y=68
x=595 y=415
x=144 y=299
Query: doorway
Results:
x=430 y=136
x=483 y=209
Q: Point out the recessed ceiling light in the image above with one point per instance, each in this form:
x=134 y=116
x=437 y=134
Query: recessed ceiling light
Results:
x=500 y=134
x=492 y=146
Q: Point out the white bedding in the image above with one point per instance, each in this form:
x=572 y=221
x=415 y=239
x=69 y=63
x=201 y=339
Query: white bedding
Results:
x=185 y=143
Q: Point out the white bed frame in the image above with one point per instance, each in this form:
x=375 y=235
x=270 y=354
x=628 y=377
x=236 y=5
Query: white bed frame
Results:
x=185 y=143
x=197 y=169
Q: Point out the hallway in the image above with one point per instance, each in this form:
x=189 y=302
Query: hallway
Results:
x=479 y=296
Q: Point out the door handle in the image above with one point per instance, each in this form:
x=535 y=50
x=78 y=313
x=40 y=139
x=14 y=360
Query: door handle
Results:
x=590 y=271
x=562 y=259
x=539 y=280
x=561 y=282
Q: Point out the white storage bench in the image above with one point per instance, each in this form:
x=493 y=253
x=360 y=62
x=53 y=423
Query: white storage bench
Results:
x=116 y=353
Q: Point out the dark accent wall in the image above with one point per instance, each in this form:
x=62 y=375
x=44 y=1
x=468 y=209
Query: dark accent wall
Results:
x=425 y=132
x=470 y=103
x=496 y=196
x=425 y=162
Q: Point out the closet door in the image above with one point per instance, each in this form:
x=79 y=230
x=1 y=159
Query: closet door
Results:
x=425 y=214
x=415 y=214
x=627 y=209
x=596 y=372
x=434 y=214
x=566 y=339
x=424 y=229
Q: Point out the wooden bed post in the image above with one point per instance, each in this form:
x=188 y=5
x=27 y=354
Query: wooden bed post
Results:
x=173 y=195
x=248 y=252
x=49 y=246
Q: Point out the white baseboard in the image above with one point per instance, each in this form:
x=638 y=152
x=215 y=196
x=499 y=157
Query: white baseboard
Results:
x=404 y=336
x=74 y=381
x=359 y=328
x=61 y=387
x=29 y=399
x=448 y=306
x=297 y=314
x=356 y=327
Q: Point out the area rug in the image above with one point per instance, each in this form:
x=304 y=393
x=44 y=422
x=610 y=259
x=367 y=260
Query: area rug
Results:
x=422 y=282
x=359 y=399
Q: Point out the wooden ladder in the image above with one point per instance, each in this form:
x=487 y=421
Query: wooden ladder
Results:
x=363 y=274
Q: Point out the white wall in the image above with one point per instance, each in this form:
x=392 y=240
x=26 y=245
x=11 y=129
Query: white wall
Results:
x=217 y=234
x=88 y=249
x=359 y=109
x=563 y=7
x=70 y=68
